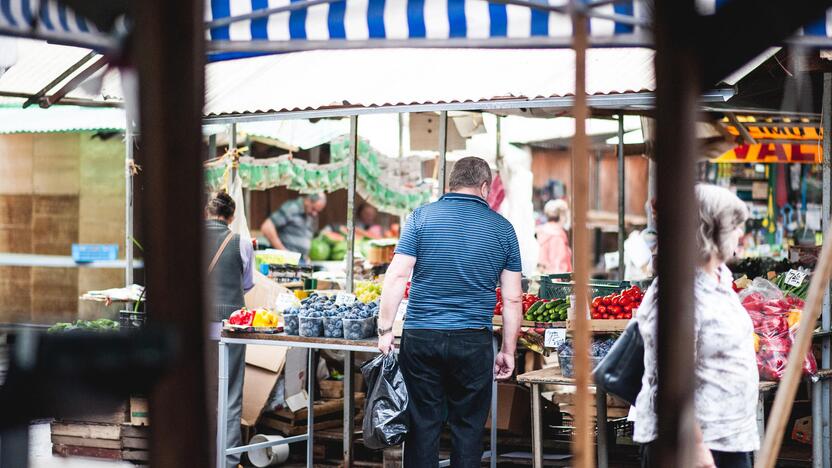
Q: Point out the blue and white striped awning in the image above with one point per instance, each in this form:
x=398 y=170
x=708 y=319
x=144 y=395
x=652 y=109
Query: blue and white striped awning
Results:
x=268 y=26
x=51 y=20
x=245 y=27
x=409 y=23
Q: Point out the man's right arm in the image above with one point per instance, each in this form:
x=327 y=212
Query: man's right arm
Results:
x=269 y=230
x=392 y=293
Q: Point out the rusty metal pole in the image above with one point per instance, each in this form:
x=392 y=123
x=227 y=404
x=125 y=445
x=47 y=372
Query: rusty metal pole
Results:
x=677 y=91
x=170 y=56
x=582 y=445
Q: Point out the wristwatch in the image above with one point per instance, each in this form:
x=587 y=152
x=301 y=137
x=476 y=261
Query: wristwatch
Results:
x=383 y=331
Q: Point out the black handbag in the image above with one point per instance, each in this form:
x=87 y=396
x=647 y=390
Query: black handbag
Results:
x=621 y=370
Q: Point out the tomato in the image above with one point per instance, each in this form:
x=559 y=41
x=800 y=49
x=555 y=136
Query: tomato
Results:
x=605 y=316
x=626 y=300
x=606 y=301
x=596 y=302
x=614 y=310
x=602 y=309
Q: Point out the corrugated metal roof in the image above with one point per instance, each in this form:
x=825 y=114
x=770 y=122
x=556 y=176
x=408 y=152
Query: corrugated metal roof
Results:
x=387 y=77
x=38 y=63
x=15 y=119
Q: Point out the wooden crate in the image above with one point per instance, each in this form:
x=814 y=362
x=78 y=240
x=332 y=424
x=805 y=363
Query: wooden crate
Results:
x=328 y=415
x=331 y=389
x=89 y=452
x=87 y=442
x=139 y=412
x=87 y=430
x=602 y=326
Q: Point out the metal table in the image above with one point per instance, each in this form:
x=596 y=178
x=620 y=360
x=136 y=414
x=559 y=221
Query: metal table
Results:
x=552 y=375
x=313 y=344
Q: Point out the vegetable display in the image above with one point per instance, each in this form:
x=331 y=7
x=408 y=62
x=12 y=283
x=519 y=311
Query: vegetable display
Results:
x=800 y=291
x=85 y=325
x=528 y=301
x=618 y=306
x=544 y=310
x=775 y=318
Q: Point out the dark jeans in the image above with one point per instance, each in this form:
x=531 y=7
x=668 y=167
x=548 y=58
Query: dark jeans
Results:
x=721 y=459
x=450 y=369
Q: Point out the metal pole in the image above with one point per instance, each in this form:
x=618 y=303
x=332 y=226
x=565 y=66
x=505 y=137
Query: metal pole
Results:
x=222 y=404
x=401 y=134
x=498 y=141
x=582 y=445
x=443 y=147
x=621 y=197
x=826 y=320
x=601 y=421
x=351 y=203
x=232 y=145
x=349 y=408
x=311 y=372
x=212 y=146
x=128 y=203
x=677 y=71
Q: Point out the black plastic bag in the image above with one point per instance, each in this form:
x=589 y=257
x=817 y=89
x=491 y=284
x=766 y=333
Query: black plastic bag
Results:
x=385 y=408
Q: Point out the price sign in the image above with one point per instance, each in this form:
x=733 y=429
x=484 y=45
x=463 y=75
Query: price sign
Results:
x=795 y=277
x=285 y=301
x=344 y=298
x=554 y=337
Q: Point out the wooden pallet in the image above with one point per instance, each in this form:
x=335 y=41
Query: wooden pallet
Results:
x=328 y=415
x=87 y=430
x=89 y=452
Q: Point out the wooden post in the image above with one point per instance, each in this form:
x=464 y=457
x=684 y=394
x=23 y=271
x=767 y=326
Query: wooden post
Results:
x=677 y=93
x=169 y=53
x=782 y=407
x=582 y=445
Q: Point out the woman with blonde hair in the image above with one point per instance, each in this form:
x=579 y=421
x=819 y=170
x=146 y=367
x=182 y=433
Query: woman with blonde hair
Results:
x=725 y=368
x=555 y=253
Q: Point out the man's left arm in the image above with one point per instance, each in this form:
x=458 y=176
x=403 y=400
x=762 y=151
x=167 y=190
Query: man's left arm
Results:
x=512 y=292
x=392 y=293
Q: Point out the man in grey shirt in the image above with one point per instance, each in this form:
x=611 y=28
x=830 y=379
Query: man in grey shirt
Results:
x=293 y=225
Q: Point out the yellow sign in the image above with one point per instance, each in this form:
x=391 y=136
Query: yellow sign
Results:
x=762 y=131
x=773 y=153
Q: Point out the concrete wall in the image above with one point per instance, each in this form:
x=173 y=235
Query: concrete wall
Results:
x=58 y=189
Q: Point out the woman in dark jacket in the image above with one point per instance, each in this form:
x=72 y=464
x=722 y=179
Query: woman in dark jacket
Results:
x=230 y=268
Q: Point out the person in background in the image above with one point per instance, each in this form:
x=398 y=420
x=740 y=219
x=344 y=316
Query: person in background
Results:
x=366 y=221
x=725 y=379
x=555 y=253
x=293 y=225
x=230 y=264
x=457 y=250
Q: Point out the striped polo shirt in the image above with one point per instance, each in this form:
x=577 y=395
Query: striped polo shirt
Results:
x=461 y=247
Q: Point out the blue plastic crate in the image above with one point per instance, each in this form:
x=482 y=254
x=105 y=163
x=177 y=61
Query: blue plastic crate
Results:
x=85 y=253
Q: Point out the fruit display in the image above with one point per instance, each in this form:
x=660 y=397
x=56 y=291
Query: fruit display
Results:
x=528 y=301
x=619 y=306
x=566 y=354
x=319 y=315
x=775 y=318
x=264 y=318
x=331 y=246
x=367 y=291
x=242 y=317
x=545 y=310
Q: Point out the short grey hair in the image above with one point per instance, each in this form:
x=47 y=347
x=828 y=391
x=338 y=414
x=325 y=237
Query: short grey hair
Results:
x=316 y=197
x=720 y=212
x=469 y=172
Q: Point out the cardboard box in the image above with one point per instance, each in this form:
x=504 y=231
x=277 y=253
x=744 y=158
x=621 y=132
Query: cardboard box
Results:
x=264 y=364
x=513 y=409
x=139 y=412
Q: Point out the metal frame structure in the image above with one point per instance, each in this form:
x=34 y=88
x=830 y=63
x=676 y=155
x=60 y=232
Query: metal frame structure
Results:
x=349 y=396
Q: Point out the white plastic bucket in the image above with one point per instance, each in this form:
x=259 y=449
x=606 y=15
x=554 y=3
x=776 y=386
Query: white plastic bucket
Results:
x=269 y=456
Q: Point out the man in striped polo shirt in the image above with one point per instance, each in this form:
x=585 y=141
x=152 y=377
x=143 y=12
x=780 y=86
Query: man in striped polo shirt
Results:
x=457 y=250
